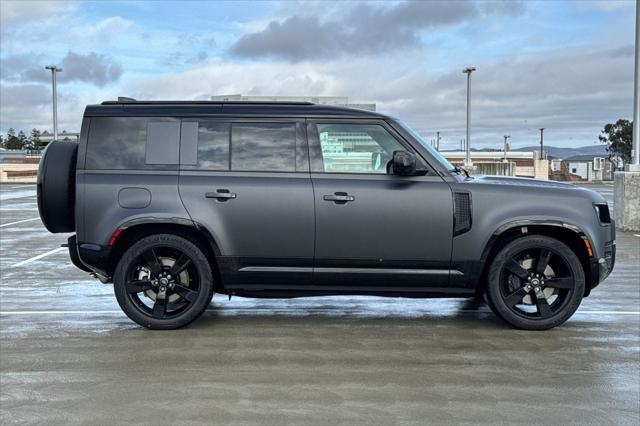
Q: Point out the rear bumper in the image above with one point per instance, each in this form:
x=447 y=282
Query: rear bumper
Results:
x=73 y=254
x=89 y=257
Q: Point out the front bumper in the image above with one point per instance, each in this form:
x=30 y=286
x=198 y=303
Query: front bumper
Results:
x=602 y=267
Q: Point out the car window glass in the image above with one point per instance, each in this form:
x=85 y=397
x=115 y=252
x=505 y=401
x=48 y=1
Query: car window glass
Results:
x=263 y=147
x=117 y=143
x=213 y=145
x=356 y=148
x=163 y=142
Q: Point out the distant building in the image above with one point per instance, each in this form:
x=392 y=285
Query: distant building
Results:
x=47 y=137
x=518 y=163
x=590 y=167
x=321 y=100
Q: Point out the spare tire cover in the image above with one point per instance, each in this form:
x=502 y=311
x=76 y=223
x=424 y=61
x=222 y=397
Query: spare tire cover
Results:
x=57 y=186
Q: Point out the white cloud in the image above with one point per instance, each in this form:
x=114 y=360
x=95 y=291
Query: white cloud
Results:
x=14 y=12
x=105 y=29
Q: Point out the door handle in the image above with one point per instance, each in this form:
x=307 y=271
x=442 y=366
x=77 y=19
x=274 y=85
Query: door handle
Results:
x=339 y=197
x=221 y=195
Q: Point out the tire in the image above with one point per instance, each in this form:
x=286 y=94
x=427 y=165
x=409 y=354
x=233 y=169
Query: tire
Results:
x=149 y=260
x=535 y=283
x=56 y=186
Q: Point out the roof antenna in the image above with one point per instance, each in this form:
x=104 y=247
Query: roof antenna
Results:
x=125 y=99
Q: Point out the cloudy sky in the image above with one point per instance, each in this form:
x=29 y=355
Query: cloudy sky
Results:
x=566 y=66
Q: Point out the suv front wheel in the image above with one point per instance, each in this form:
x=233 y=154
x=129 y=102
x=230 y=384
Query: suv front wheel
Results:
x=535 y=283
x=163 y=282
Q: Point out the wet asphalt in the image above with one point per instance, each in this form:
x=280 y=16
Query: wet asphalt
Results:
x=69 y=356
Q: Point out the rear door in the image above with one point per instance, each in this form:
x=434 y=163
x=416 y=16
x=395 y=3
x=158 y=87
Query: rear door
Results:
x=247 y=183
x=375 y=230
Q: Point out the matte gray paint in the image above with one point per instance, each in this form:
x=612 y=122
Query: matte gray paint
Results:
x=134 y=198
x=103 y=214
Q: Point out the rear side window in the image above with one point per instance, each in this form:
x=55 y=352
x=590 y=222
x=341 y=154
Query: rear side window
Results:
x=213 y=145
x=269 y=147
x=133 y=143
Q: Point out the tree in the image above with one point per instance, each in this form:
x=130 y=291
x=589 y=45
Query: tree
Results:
x=2 y=141
x=617 y=136
x=13 y=142
x=34 y=139
x=23 y=139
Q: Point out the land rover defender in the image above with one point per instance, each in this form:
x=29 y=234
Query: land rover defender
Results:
x=172 y=201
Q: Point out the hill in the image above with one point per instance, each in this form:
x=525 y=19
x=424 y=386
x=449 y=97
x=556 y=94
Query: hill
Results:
x=557 y=152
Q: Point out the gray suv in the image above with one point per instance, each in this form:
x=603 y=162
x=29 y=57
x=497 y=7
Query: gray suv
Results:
x=173 y=201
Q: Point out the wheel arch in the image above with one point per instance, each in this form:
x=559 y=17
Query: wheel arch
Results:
x=571 y=235
x=133 y=231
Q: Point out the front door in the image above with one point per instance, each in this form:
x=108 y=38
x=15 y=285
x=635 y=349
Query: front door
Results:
x=247 y=182
x=375 y=231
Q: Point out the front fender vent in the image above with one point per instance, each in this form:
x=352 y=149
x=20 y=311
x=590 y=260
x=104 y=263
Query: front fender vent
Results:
x=461 y=213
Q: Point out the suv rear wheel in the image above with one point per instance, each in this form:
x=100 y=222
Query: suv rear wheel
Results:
x=163 y=282
x=535 y=283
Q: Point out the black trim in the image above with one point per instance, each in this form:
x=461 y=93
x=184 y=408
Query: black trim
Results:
x=73 y=254
x=337 y=289
x=462 y=212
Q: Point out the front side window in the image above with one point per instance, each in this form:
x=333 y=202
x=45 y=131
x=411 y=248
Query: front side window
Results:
x=269 y=147
x=356 y=148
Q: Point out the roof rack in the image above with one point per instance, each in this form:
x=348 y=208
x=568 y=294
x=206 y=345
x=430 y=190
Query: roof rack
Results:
x=127 y=100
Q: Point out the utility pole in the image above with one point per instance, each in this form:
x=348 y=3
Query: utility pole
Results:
x=635 y=154
x=467 y=158
x=438 y=141
x=542 y=143
x=505 y=147
x=54 y=69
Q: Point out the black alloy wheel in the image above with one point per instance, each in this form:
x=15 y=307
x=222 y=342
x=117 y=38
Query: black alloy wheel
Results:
x=163 y=282
x=535 y=282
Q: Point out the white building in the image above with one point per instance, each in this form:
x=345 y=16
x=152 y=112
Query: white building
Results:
x=320 y=100
x=590 y=167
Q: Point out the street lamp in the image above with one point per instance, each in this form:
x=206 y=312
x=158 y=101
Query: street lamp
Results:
x=505 y=147
x=467 y=158
x=54 y=69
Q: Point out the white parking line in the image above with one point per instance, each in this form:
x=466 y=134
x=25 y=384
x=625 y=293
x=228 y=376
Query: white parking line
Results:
x=19 y=221
x=595 y=313
x=40 y=256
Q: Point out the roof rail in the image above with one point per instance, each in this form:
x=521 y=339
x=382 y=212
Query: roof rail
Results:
x=125 y=100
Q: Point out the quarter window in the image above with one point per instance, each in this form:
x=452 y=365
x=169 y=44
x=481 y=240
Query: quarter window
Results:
x=263 y=147
x=133 y=143
x=356 y=148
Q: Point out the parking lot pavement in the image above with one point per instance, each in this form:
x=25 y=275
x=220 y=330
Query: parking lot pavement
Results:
x=69 y=356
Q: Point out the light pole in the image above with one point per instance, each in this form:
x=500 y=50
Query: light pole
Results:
x=505 y=147
x=54 y=69
x=542 y=143
x=635 y=158
x=438 y=141
x=467 y=157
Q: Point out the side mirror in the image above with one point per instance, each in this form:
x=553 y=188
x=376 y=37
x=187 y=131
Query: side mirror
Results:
x=404 y=163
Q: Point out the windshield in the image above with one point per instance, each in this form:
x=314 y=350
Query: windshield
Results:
x=445 y=163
